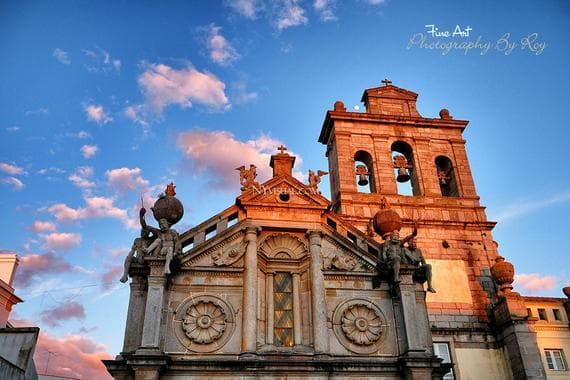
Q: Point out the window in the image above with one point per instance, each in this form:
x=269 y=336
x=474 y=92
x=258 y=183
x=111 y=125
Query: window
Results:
x=283 y=309
x=542 y=315
x=364 y=171
x=557 y=315
x=404 y=173
x=555 y=360
x=441 y=350
x=446 y=177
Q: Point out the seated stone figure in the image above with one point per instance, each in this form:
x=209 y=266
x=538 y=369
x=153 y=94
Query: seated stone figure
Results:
x=166 y=244
x=136 y=252
x=423 y=269
x=393 y=253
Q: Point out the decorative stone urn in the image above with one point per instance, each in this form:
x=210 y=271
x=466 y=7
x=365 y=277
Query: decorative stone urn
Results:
x=503 y=273
x=386 y=220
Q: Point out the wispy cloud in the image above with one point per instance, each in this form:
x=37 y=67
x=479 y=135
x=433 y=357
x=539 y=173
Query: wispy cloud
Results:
x=38 y=111
x=81 y=177
x=97 y=114
x=534 y=282
x=89 y=151
x=325 y=9
x=247 y=8
x=291 y=14
x=100 y=61
x=95 y=207
x=14 y=182
x=33 y=266
x=11 y=169
x=240 y=94
x=221 y=51
x=61 y=56
x=529 y=206
x=61 y=313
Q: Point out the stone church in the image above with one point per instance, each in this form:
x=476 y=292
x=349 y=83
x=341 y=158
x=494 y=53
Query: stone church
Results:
x=287 y=284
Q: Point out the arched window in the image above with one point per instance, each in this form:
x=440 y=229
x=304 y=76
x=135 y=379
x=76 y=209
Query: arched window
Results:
x=364 y=171
x=404 y=170
x=446 y=177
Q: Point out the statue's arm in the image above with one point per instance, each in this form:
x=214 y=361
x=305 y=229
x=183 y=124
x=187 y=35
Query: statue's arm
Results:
x=144 y=226
x=410 y=237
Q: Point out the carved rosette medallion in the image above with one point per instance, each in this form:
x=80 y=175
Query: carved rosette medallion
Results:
x=205 y=322
x=361 y=324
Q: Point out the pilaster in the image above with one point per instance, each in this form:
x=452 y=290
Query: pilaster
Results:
x=319 y=307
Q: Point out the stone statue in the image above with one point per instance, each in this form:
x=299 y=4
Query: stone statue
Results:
x=137 y=252
x=166 y=243
x=393 y=253
x=247 y=177
x=315 y=179
x=423 y=269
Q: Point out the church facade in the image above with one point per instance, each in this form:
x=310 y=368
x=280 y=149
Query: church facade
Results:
x=288 y=284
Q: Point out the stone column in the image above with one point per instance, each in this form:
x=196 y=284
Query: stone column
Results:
x=296 y=308
x=135 y=315
x=269 y=307
x=250 y=289
x=319 y=308
x=153 y=311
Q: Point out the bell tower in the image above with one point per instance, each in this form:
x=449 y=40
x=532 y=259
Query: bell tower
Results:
x=373 y=154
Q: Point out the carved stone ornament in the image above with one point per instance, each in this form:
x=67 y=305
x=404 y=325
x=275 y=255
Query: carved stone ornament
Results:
x=227 y=255
x=205 y=322
x=361 y=324
x=338 y=260
x=283 y=246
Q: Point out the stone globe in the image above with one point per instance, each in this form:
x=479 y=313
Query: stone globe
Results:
x=168 y=207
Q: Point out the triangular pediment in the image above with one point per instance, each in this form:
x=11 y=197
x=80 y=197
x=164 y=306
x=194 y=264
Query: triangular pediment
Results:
x=283 y=191
x=389 y=91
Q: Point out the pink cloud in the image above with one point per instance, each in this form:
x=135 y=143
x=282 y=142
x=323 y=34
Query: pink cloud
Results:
x=246 y=8
x=111 y=276
x=162 y=86
x=123 y=179
x=291 y=15
x=230 y=153
x=97 y=114
x=53 y=317
x=61 y=240
x=33 y=266
x=80 y=177
x=221 y=51
x=16 y=184
x=535 y=282
x=73 y=356
x=11 y=169
x=41 y=226
x=89 y=151
x=95 y=207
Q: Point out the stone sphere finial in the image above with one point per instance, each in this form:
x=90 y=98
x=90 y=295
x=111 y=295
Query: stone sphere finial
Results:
x=386 y=220
x=503 y=273
x=339 y=106
x=168 y=207
x=444 y=114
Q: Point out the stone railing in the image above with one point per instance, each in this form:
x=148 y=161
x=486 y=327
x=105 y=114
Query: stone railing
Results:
x=208 y=229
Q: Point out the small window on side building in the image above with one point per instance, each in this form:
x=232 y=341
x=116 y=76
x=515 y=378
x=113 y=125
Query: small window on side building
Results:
x=557 y=315
x=542 y=315
x=441 y=350
x=555 y=360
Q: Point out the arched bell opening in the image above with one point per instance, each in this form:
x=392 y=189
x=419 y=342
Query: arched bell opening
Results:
x=364 y=171
x=446 y=177
x=404 y=169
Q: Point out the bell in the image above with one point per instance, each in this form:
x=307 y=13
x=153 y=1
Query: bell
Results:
x=403 y=175
x=362 y=180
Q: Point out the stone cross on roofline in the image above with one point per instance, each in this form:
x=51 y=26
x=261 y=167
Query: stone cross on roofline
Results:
x=386 y=82
x=281 y=149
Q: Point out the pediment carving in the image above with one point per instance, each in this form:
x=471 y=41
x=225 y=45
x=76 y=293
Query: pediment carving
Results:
x=283 y=246
x=335 y=257
x=225 y=253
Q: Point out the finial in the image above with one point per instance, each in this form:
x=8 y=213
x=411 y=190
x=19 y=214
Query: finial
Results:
x=386 y=82
x=282 y=149
x=170 y=189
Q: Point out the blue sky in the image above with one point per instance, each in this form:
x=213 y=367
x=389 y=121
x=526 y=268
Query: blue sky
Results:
x=104 y=101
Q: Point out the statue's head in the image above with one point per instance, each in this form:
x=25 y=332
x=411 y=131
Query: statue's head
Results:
x=163 y=224
x=413 y=244
x=395 y=236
